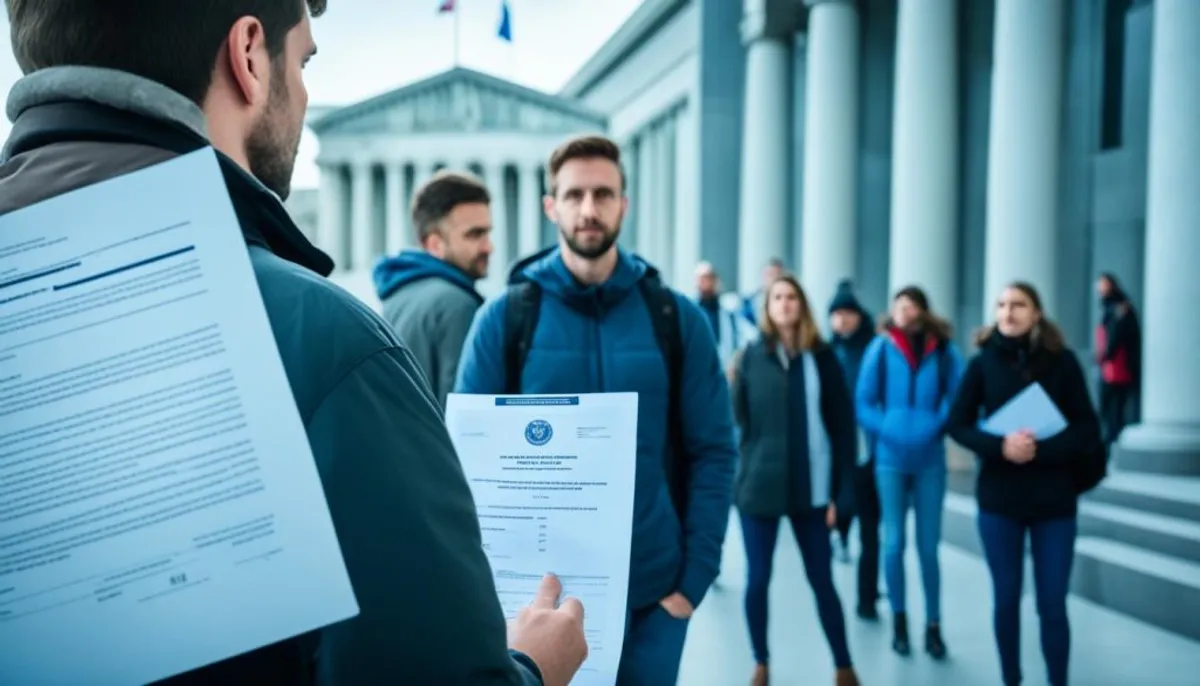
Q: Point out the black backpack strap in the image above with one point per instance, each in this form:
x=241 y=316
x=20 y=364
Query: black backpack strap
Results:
x=521 y=309
x=664 y=316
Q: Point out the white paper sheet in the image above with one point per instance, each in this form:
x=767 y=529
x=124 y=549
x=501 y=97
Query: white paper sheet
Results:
x=159 y=505
x=553 y=480
x=1030 y=410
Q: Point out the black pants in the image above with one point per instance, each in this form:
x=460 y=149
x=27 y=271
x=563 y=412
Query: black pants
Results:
x=1114 y=410
x=866 y=498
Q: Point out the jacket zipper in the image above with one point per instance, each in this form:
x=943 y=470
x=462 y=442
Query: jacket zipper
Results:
x=599 y=347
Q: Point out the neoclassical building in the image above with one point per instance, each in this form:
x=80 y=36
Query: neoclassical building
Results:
x=954 y=144
x=375 y=153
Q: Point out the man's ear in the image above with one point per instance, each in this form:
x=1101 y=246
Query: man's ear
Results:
x=248 y=60
x=435 y=245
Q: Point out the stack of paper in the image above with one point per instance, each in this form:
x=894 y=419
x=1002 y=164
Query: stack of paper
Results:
x=159 y=504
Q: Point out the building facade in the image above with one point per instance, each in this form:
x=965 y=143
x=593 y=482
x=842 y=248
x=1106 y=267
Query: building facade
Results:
x=955 y=145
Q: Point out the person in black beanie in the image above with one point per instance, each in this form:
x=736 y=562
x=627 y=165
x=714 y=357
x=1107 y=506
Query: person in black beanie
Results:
x=853 y=328
x=1028 y=484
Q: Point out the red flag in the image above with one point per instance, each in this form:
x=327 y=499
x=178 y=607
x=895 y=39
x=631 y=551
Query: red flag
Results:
x=446 y=6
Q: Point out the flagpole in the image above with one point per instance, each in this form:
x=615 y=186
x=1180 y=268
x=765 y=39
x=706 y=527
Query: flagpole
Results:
x=457 y=11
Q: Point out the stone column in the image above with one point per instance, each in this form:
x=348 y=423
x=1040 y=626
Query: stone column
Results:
x=924 y=233
x=502 y=257
x=1023 y=149
x=828 y=247
x=529 y=192
x=1168 y=439
x=631 y=158
x=397 y=213
x=664 y=239
x=647 y=191
x=360 y=222
x=767 y=27
x=332 y=198
x=685 y=249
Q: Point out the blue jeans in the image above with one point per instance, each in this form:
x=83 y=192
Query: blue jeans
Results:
x=760 y=535
x=925 y=492
x=653 y=648
x=1052 y=544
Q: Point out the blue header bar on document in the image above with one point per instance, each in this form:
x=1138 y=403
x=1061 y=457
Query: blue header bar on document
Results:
x=536 y=400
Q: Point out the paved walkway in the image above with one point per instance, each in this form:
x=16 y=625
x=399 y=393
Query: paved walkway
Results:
x=1108 y=649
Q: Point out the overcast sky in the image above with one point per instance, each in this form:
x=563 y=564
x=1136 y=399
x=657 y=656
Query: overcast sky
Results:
x=368 y=47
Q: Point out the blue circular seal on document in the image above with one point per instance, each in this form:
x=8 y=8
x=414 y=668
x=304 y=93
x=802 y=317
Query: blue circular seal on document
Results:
x=538 y=432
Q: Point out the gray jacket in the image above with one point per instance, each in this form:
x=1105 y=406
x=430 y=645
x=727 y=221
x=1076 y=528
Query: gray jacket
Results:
x=401 y=507
x=430 y=304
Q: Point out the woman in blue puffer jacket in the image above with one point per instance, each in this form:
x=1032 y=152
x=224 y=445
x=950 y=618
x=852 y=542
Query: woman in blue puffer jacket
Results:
x=903 y=396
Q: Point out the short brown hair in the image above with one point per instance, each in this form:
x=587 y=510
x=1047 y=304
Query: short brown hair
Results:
x=584 y=147
x=170 y=42
x=807 y=334
x=440 y=195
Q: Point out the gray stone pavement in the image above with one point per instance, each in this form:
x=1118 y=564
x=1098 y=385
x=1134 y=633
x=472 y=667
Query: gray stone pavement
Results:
x=1108 y=649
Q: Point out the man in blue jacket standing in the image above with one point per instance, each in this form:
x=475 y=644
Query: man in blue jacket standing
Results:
x=598 y=326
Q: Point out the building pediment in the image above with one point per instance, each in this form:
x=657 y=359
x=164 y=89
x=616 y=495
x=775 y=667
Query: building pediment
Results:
x=457 y=101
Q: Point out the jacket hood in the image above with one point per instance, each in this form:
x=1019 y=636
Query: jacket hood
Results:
x=393 y=273
x=88 y=104
x=547 y=269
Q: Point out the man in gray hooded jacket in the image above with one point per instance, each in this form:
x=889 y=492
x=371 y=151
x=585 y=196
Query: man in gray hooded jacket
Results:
x=429 y=295
x=167 y=78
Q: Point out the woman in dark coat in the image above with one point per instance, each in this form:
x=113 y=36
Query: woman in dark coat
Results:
x=798 y=449
x=1028 y=481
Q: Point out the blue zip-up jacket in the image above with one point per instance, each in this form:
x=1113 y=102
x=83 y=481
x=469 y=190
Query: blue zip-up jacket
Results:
x=598 y=339
x=909 y=423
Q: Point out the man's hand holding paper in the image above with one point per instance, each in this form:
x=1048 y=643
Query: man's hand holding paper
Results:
x=553 y=482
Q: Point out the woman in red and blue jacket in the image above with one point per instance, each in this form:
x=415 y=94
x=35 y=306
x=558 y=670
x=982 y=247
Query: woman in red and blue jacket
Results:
x=905 y=387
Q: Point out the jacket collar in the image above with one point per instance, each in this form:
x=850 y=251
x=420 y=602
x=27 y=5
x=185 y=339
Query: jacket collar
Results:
x=90 y=104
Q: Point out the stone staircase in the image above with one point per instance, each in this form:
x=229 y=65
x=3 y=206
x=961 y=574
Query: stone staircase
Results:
x=1138 y=550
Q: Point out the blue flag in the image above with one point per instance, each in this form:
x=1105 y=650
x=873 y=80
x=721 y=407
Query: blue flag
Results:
x=505 y=29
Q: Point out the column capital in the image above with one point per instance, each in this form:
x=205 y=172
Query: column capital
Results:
x=771 y=19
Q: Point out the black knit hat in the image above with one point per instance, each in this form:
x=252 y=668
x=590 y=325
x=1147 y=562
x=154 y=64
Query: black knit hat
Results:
x=844 y=298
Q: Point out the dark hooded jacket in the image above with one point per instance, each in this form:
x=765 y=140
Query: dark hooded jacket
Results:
x=430 y=304
x=597 y=339
x=401 y=507
x=1044 y=488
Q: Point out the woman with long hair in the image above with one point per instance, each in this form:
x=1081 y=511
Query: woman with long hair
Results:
x=903 y=397
x=1028 y=484
x=798 y=444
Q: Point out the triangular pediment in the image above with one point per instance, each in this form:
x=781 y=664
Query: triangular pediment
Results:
x=457 y=101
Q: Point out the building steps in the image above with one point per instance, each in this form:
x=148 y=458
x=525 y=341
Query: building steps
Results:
x=1138 y=550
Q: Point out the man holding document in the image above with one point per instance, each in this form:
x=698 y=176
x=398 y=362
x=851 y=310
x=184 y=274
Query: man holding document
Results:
x=588 y=317
x=1039 y=447
x=162 y=82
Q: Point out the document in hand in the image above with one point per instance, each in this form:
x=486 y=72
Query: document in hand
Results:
x=1030 y=410
x=159 y=505
x=553 y=480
